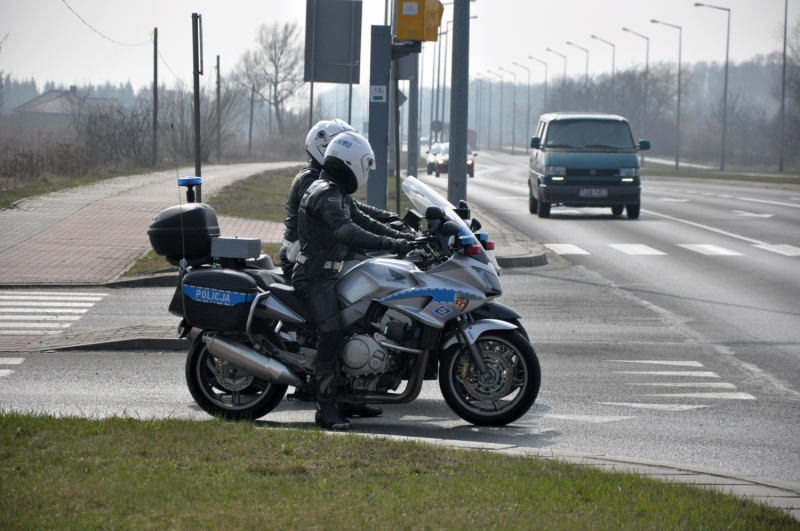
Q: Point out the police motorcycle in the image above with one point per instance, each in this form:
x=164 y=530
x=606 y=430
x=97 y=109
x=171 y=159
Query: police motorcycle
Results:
x=406 y=320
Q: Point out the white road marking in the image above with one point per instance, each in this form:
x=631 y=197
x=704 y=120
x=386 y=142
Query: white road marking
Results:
x=39 y=310
x=717 y=385
x=567 y=211
x=57 y=293
x=5 y=372
x=751 y=214
x=729 y=396
x=659 y=407
x=49 y=304
x=11 y=361
x=708 y=193
x=696 y=374
x=709 y=250
x=48 y=298
x=673 y=200
x=29 y=332
x=594 y=419
x=727 y=196
x=706 y=227
x=795 y=198
x=565 y=248
x=785 y=250
x=768 y=202
x=34 y=325
x=40 y=317
x=511 y=197
x=659 y=362
x=635 y=249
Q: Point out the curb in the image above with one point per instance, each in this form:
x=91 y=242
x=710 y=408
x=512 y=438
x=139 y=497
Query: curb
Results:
x=135 y=343
x=534 y=260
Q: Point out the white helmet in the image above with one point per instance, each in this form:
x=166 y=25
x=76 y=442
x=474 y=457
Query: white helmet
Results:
x=321 y=135
x=349 y=156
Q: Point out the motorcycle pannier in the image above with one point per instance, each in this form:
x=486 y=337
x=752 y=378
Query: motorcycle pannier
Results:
x=184 y=231
x=218 y=299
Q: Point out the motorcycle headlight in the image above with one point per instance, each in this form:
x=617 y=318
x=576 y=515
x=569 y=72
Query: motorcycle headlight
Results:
x=629 y=172
x=555 y=170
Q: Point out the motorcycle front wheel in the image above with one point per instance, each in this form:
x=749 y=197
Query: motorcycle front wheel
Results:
x=503 y=395
x=232 y=398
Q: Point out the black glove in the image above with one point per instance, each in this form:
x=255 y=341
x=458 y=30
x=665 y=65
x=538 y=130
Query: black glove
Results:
x=409 y=235
x=401 y=247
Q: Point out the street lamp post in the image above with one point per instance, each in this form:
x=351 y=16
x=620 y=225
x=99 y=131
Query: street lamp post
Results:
x=586 y=75
x=564 y=78
x=528 y=117
x=489 y=114
x=438 y=85
x=444 y=88
x=725 y=93
x=544 y=105
x=783 y=84
x=646 y=70
x=613 y=63
x=678 y=121
x=500 y=132
x=513 y=111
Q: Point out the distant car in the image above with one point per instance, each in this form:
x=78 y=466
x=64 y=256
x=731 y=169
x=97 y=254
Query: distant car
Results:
x=432 y=157
x=442 y=160
x=584 y=160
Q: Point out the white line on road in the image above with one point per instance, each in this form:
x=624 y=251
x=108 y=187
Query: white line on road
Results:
x=6 y=372
x=511 y=197
x=565 y=248
x=40 y=317
x=751 y=214
x=716 y=385
x=50 y=298
x=659 y=407
x=768 y=202
x=706 y=227
x=635 y=249
x=594 y=419
x=696 y=374
x=659 y=362
x=727 y=196
x=785 y=250
x=34 y=325
x=66 y=293
x=40 y=310
x=29 y=332
x=729 y=396
x=49 y=304
x=709 y=250
x=673 y=200
x=11 y=361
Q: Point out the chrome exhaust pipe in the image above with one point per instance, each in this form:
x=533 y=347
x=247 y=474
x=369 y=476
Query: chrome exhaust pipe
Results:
x=268 y=369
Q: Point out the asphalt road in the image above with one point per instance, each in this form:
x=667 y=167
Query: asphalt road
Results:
x=682 y=357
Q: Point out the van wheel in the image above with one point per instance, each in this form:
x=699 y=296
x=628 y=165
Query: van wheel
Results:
x=633 y=210
x=617 y=210
x=437 y=173
x=532 y=203
x=544 y=210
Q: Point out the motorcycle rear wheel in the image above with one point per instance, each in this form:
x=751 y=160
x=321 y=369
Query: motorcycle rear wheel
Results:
x=513 y=385
x=252 y=402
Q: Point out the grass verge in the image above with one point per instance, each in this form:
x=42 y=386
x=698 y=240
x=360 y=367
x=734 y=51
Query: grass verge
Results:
x=719 y=176
x=50 y=183
x=152 y=263
x=71 y=473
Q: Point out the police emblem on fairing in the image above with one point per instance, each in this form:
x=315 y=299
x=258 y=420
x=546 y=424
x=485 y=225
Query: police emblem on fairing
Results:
x=442 y=311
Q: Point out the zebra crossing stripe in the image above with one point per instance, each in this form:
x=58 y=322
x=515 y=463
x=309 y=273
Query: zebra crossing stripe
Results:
x=11 y=361
x=635 y=249
x=709 y=250
x=785 y=250
x=696 y=374
x=47 y=298
x=565 y=248
x=658 y=407
x=34 y=325
x=660 y=362
x=6 y=372
x=717 y=385
x=729 y=396
x=39 y=317
x=39 y=310
x=49 y=304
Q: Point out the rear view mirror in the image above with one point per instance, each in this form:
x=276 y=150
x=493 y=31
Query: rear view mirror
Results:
x=644 y=144
x=434 y=213
x=450 y=228
x=536 y=142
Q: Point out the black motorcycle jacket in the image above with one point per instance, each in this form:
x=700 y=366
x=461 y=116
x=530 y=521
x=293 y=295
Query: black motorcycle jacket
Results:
x=300 y=185
x=328 y=220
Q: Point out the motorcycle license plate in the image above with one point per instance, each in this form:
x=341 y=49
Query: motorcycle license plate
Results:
x=593 y=192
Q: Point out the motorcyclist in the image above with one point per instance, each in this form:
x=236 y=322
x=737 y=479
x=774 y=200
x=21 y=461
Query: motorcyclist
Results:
x=328 y=223
x=317 y=140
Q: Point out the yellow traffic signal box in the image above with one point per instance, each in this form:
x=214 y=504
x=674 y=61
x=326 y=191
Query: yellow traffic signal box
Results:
x=419 y=20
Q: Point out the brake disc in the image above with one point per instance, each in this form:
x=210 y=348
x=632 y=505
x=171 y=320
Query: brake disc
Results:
x=230 y=377
x=497 y=384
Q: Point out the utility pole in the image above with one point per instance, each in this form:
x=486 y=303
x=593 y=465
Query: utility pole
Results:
x=646 y=72
x=513 y=111
x=219 y=118
x=250 y=131
x=544 y=105
x=459 y=104
x=444 y=88
x=500 y=127
x=155 y=96
x=678 y=121
x=783 y=83
x=613 y=64
x=197 y=58
x=528 y=119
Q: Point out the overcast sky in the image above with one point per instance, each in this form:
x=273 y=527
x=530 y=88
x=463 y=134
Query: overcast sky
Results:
x=48 y=42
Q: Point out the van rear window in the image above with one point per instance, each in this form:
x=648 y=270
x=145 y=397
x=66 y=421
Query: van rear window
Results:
x=588 y=134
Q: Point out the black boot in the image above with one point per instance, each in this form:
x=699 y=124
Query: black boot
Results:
x=364 y=410
x=327 y=415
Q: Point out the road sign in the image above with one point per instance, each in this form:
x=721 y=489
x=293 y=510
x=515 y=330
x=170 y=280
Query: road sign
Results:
x=377 y=93
x=333 y=41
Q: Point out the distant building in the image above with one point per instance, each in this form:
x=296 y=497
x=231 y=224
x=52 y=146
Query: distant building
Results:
x=55 y=108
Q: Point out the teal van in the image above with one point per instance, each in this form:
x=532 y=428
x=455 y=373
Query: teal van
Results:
x=584 y=160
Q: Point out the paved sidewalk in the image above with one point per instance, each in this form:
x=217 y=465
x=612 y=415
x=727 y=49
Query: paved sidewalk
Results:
x=90 y=234
x=778 y=494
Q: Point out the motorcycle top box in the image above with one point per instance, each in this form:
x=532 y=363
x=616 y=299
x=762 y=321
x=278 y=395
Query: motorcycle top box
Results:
x=189 y=237
x=218 y=299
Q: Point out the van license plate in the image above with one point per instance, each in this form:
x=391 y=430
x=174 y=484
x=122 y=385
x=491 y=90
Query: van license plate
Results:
x=592 y=192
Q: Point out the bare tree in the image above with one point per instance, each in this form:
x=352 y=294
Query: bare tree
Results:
x=2 y=75
x=275 y=67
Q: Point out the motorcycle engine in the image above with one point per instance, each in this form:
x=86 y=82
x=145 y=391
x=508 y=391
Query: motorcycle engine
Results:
x=363 y=355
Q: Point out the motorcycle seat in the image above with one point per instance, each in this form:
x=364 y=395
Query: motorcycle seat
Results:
x=264 y=278
x=287 y=296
